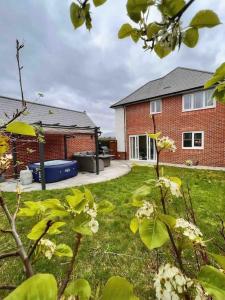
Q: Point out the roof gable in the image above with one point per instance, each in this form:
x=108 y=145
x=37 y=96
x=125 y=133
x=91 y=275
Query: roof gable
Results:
x=45 y=113
x=178 y=80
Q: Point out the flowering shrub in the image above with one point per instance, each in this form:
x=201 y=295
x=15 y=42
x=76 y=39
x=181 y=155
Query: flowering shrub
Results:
x=190 y=230
x=173 y=186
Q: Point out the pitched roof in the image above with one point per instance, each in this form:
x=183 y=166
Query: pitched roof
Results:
x=178 y=80
x=45 y=113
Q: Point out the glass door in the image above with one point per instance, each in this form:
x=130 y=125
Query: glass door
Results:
x=141 y=147
x=151 y=151
x=134 y=147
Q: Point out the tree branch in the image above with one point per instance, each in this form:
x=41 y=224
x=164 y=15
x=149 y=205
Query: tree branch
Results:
x=8 y=287
x=71 y=265
x=49 y=224
x=9 y=254
x=18 y=48
x=21 y=250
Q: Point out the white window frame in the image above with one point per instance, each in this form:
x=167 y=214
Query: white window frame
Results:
x=192 y=102
x=193 y=147
x=157 y=112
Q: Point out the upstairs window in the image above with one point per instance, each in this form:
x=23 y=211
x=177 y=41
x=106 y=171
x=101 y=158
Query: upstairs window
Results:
x=156 y=106
x=198 y=100
x=193 y=140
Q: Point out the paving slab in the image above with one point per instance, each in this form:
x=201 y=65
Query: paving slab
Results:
x=117 y=169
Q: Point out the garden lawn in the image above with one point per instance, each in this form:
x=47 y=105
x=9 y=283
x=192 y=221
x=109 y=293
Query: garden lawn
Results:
x=114 y=250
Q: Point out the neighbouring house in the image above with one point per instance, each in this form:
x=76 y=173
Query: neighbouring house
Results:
x=66 y=131
x=183 y=110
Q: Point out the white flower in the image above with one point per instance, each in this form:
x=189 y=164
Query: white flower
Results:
x=165 y=143
x=146 y=210
x=94 y=226
x=190 y=230
x=91 y=211
x=170 y=283
x=189 y=162
x=169 y=184
x=47 y=247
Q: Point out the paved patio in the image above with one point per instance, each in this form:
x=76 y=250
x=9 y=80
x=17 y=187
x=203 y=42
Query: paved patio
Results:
x=117 y=169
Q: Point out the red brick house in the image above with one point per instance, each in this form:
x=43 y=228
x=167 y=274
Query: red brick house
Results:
x=183 y=110
x=61 y=141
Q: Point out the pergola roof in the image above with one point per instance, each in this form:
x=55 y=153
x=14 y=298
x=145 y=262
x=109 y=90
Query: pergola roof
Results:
x=47 y=114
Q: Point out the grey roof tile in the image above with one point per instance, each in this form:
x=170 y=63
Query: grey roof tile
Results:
x=45 y=113
x=178 y=80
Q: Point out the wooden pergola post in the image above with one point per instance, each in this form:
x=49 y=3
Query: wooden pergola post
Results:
x=14 y=155
x=42 y=162
x=97 y=150
x=65 y=147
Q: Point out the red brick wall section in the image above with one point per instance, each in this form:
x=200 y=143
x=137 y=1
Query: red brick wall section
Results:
x=172 y=122
x=81 y=142
x=54 y=148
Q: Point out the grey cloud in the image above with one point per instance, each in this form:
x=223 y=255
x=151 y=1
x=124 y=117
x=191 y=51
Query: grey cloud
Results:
x=88 y=71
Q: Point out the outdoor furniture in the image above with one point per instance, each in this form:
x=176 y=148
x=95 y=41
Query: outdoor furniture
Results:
x=87 y=162
x=106 y=159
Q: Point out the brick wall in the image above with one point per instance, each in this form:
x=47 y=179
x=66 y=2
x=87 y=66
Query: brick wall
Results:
x=54 y=148
x=172 y=122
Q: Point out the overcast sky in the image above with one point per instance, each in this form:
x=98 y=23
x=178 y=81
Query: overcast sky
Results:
x=89 y=70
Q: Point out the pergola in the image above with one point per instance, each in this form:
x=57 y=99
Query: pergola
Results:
x=68 y=132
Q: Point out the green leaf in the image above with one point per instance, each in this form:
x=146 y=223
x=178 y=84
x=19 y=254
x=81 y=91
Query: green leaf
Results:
x=134 y=224
x=98 y=2
x=154 y=136
x=77 y=15
x=125 y=31
x=54 y=229
x=118 y=288
x=213 y=282
x=168 y=220
x=80 y=224
x=152 y=29
x=171 y=7
x=135 y=35
x=135 y=7
x=52 y=204
x=191 y=37
x=105 y=207
x=38 y=287
x=142 y=193
x=77 y=201
x=89 y=196
x=80 y=288
x=63 y=250
x=220 y=96
x=38 y=229
x=153 y=233
x=22 y=128
x=177 y=180
x=217 y=76
x=161 y=51
x=219 y=259
x=205 y=18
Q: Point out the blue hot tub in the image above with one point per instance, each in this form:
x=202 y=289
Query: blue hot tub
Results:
x=55 y=170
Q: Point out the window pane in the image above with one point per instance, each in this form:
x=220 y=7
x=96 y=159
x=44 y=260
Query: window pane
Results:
x=187 y=139
x=187 y=102
x=152 y=106
x=208 y=98
x=198 y=139
x=198 y=100
x=158 y=106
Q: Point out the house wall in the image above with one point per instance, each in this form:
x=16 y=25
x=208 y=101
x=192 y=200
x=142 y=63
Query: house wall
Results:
x=120 y=132
x=54 y=148
x=173 y=122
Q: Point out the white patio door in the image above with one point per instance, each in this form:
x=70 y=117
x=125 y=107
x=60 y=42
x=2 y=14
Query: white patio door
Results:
x=151 y=151
x=138 y=148
x=134 y=147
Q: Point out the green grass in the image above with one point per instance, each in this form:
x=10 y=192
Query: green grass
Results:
x=114 y=250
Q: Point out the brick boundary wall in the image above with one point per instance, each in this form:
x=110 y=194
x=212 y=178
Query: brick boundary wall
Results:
x=172 y=122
